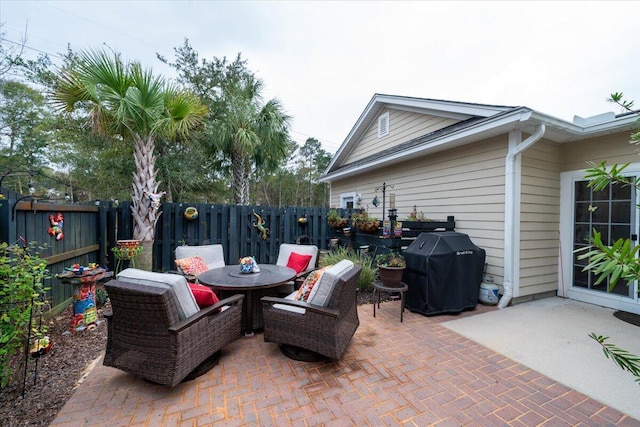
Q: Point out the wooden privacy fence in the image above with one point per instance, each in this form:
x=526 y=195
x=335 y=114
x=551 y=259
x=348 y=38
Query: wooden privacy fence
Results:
x=91 y=231
x=26 y=219
x=236 y=228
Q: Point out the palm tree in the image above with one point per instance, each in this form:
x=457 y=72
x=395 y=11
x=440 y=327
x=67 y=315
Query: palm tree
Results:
x=247 y=133
x=126 y=101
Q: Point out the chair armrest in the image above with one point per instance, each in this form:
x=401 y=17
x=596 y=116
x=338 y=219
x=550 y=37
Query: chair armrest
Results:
x=301 y=304
x=207 y=311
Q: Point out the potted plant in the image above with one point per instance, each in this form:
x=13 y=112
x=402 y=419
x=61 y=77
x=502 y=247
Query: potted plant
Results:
x=390 y=268
x=334 y=219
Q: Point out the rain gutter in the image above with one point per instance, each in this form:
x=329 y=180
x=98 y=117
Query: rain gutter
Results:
x=513 y=170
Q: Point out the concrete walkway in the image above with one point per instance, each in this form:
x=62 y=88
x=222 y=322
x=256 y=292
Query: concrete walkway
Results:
x=551 y=336
x=415 y=373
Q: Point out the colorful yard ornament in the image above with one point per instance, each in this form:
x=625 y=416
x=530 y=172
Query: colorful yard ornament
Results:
x=154 y=198
x=56 y=226
x=260 y=225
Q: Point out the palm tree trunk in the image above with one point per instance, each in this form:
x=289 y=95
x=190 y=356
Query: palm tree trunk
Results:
x=145 y=216
x=247 y=179
x=239 y=182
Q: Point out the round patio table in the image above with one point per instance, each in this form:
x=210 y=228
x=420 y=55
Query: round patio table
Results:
x=252 y=285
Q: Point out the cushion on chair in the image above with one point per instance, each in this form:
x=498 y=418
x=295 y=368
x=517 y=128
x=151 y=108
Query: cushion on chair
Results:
x=291 y=296
x=193 y=265
x=321 y=292
x=213 y=255
x=204 y=296
x=307 y=286
x=298 y=262
x=183 y=297
x=287 y=248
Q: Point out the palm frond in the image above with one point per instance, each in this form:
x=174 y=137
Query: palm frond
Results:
x=625 y=360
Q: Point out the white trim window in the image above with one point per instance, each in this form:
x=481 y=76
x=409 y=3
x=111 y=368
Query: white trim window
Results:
x=383 y=125
x=348 y=200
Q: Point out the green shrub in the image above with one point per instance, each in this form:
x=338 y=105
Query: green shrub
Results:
x=22 y=297
x=368 y=273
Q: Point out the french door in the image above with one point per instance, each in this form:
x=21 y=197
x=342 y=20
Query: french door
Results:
x=614 y=214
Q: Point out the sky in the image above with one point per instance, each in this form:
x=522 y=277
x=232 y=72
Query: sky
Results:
x=325 y=60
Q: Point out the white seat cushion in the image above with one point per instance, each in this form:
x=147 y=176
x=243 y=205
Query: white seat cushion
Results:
x=183 y=297
x=291 y=296
x=321 y=292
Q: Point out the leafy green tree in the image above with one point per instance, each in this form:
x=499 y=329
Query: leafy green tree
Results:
x=128 y=102
x=244 y=135
x=620 y=260
x=313 y=161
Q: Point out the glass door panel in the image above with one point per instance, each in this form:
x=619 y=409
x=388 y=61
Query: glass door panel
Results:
x=611 y=212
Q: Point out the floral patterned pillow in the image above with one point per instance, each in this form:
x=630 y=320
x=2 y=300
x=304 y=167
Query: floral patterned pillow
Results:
x=309 y=283
x=193 y=266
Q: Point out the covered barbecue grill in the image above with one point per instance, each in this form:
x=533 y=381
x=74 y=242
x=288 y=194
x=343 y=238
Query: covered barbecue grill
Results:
x=444 y=273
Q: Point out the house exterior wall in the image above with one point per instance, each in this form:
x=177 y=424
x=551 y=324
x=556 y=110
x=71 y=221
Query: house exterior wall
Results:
x=612 y=148
x=539 y=219
x=403 y=126
x=467 y=182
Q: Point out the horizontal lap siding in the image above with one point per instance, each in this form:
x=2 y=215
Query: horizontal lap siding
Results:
x=612 y=148
x=403 y=126
x=539 y=218
x=467 y=182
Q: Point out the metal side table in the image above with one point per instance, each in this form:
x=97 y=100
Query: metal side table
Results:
x=379 y=287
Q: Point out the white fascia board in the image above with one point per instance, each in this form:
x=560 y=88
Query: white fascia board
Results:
x=573 y=131
x=438 y=107
x=486 y=129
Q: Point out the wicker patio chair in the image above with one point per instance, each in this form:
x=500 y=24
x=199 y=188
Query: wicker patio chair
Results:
x=306 y=331
x=284 y=258
x=212 y=255
x=147 y=338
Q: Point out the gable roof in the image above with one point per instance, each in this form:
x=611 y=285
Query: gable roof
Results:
x=477 y=122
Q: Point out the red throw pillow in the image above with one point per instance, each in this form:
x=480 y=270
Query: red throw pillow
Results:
x=298 y=261
x=204 y=296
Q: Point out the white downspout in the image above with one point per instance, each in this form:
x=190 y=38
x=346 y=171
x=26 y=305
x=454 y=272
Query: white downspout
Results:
x=512 y=211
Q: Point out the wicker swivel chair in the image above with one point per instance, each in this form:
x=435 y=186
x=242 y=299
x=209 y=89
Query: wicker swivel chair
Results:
x=146 y=337
x=306 y=331
x=212 y=255
x=286 y=249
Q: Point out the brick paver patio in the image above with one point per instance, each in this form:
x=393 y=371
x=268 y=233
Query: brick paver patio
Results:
x=415 y=373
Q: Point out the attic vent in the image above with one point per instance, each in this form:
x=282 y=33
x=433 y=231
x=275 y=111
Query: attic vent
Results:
x=383 y=125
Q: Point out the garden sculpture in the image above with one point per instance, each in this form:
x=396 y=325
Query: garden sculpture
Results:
x=260 y=225
x=154 y=198
x=56 y=226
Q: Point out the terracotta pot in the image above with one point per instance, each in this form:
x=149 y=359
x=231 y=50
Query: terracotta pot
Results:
x=391 y=276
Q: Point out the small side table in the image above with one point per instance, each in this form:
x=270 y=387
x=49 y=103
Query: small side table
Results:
x=378 y=287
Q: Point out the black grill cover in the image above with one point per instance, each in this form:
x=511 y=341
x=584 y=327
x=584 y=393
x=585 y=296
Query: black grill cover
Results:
x=444 y=273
